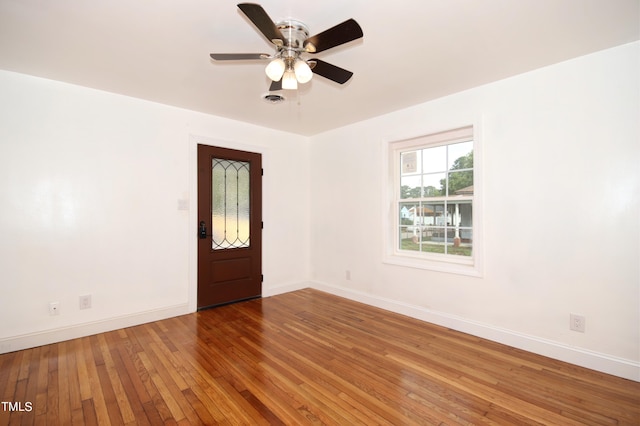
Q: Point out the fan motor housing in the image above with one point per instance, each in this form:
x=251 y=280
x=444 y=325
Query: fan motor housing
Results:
x=295 y=33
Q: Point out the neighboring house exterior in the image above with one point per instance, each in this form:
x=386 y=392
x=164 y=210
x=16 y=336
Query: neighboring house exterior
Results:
x=435 y=221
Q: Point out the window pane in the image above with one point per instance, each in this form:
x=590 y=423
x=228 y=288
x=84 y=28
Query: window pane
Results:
x=410 y=187
x=230 y=195
x=218 y=223
x=466 y=214
x=462 y=242
x=409 y=238
x=461 y=183
x=434 y=185
x=243 y=204
x=434 y=159
x=407 y=213
x=406 y=232
x=410 y=162
x=432 y=241
x=231 y=206
x=460 y=156
x=410 y=226
x=454 y=216
x=434 y=214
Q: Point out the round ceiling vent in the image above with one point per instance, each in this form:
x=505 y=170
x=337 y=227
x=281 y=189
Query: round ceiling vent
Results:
x=273 y=98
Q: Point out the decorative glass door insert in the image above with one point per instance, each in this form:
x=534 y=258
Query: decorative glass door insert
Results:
x=231 y=204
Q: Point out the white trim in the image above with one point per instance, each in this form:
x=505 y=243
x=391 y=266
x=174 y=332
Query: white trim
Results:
x=445 y=265
x=32 y=340
x=47 y=337
x=604 y=363
x=285 y=288
x=608 y=364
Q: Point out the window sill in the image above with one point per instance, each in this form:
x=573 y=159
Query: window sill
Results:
x=452 y=267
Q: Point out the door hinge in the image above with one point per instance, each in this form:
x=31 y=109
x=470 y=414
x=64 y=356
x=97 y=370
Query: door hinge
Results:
x=261 y=172
x=261 y=225
x=261 y=278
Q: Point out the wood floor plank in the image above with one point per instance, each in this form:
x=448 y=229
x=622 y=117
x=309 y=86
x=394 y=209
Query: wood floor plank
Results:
x=122 y=405
x=162 y=388
x=41 y=382
x=84 y=379
x=66 y=375
x=89 y=415
x=158 y=402
x=198 y=407
x=9 y=369
x=125 y=360
x=112 y=410
x=51 y=415
x=209 y=387
x=167 y=358
x=92 y=360
x=304 y=357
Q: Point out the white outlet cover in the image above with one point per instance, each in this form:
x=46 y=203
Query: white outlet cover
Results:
x=85 y=302
x=577 y=323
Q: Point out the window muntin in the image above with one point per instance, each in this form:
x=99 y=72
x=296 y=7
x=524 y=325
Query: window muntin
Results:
x=434 y=196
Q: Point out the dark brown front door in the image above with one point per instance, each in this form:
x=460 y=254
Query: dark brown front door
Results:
x=229 y=225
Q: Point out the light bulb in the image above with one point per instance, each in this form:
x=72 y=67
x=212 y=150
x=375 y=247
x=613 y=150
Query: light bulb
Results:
x=275 y=69
x=303 y=72
x=289 y=81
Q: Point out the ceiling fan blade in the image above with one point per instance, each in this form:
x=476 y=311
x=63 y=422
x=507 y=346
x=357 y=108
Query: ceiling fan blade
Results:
x=275 y=86
x=238 y=56
x=332 y=72
x=342 y=33
x=263 y=22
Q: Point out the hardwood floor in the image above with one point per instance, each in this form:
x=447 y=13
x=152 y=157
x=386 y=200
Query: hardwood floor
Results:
x=302 y=358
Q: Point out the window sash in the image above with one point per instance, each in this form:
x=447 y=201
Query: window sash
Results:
x=400 y=170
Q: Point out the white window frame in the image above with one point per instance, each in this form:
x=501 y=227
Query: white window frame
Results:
x=437 y=262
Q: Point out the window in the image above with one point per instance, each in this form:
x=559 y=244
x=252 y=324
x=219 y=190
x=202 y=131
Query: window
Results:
x=434 y=201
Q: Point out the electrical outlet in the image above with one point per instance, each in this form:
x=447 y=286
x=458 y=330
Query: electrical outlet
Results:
x=54 y=308
x=577 y=323
x=85 y=301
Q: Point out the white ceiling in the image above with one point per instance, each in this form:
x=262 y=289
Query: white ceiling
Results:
x=412 y=51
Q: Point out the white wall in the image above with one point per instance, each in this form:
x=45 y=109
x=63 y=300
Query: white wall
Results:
x=89 y=190
x=561 y=212
x=90 y=183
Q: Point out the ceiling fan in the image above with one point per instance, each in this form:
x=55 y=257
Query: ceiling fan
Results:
x=291 y=39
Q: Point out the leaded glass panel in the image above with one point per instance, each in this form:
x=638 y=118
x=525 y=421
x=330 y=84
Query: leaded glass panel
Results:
x=230 y=195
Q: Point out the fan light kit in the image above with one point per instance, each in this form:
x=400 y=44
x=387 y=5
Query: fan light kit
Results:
x=287 y=67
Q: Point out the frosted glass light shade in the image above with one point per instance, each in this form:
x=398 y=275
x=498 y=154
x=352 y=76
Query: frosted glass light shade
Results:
x=303 y=72
x=275 y=69
x=289 y=81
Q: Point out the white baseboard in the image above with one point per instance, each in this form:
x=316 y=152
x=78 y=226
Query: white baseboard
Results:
x=32 y=340
x=286 y=288
x=620 y=367
x=40 y=338
x=608 y=364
